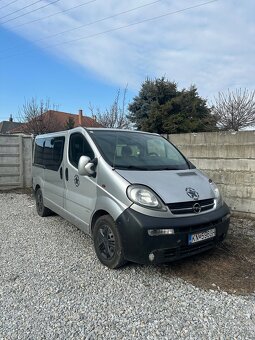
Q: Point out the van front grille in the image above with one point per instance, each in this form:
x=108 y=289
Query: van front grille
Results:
x=191 y=207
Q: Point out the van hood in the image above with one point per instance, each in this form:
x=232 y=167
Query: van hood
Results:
x=172 y=186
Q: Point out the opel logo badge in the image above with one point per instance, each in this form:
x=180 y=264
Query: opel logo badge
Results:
x=192 y=193
x=196 y=208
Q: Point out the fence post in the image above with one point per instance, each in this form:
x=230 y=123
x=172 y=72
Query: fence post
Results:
x=21 y=167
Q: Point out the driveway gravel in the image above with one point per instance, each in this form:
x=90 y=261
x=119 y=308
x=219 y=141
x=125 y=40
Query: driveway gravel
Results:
x=53 y=287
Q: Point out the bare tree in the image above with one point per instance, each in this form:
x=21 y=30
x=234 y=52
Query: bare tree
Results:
x=235 y=110
x=115 y=116
x=32 y=113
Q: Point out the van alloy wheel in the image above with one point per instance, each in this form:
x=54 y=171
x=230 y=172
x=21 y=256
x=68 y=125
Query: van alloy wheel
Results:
x=107 y=242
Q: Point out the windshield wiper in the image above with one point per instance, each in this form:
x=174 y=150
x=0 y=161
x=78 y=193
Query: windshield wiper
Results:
x=169 y=168
x=130 y=167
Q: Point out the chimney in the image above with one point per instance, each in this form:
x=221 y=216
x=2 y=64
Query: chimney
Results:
x=80 y=117
x=10 y=119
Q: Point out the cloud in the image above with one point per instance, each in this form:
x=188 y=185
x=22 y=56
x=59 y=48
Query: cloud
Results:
x=210 y=46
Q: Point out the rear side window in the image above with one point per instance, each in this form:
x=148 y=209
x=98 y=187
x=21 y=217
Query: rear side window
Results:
x=78 y=146
x=49 y=152
x=38 y=155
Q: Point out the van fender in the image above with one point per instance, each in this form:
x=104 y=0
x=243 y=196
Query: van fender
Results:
x=107 y=205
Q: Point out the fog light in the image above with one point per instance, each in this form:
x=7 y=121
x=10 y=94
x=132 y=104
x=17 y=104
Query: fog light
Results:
x=151 y=257
x=158 y=232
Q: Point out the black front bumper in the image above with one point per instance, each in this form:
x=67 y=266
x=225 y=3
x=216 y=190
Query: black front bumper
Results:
x=137 y=244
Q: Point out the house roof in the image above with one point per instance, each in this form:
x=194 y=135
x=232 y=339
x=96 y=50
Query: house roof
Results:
x=57 y=120
x=7 y=126
x=62 y=117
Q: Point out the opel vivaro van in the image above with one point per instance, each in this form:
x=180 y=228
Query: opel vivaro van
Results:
x=133 y=192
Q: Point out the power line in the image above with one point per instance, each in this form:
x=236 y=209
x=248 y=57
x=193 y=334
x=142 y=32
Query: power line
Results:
x=126 y=26
x=32 y=11
x=132 y=24
x=20 y=9
x=93 y=22
x=97 y=21
x=10 y=3
x=52 y=15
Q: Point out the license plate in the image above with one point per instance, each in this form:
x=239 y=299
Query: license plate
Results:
x=203 y=235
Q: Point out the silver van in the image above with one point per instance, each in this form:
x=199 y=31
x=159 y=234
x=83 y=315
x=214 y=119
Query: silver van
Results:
x=133 y=192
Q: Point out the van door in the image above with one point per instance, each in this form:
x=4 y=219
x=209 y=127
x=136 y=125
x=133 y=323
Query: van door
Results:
x=80 y=191
x=53 y=148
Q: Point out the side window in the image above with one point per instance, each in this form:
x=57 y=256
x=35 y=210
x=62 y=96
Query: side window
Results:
x=78 y=146
x=38 y=155
x=57 y=153
x=49 y=152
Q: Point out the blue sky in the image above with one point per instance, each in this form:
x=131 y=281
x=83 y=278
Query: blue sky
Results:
x=211 y=46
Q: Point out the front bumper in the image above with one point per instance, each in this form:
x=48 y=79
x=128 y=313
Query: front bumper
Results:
x=138 y=245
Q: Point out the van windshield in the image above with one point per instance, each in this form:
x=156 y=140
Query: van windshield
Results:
x=129 y=150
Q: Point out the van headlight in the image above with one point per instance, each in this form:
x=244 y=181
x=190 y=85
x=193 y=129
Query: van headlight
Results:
x=145 y=197
x=217 y=193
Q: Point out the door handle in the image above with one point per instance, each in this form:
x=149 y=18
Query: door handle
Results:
x=61 y=172
x=66 y=174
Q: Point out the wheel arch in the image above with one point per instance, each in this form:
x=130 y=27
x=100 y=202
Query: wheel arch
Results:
x=96 y=215
x=37 y=187
x=106 y=206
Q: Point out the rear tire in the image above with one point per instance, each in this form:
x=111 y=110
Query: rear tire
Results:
x=41 y=209
x=107 y=242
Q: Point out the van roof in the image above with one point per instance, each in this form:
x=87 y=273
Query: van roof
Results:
x=120 y=130
x=64 y=133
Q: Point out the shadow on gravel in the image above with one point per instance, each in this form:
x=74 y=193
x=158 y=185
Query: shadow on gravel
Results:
x=25 y=191
x=230 y=267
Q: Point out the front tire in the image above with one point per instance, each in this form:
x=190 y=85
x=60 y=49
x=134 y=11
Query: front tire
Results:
x=107 y=242
x=41 y=209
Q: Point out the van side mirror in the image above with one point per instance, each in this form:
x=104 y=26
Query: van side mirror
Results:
x=86 y=167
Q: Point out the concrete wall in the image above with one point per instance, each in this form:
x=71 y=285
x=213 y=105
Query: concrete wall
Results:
x=229 y=159
x=15 y=161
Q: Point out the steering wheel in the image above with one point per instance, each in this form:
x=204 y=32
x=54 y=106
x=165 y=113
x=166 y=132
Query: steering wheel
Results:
x=153 y=154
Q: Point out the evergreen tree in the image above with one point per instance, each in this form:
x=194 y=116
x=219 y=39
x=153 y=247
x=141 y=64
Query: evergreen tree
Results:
x=160 y=107
x=69 y=124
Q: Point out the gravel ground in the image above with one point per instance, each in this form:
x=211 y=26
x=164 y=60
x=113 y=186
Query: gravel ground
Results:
x=52 y=286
